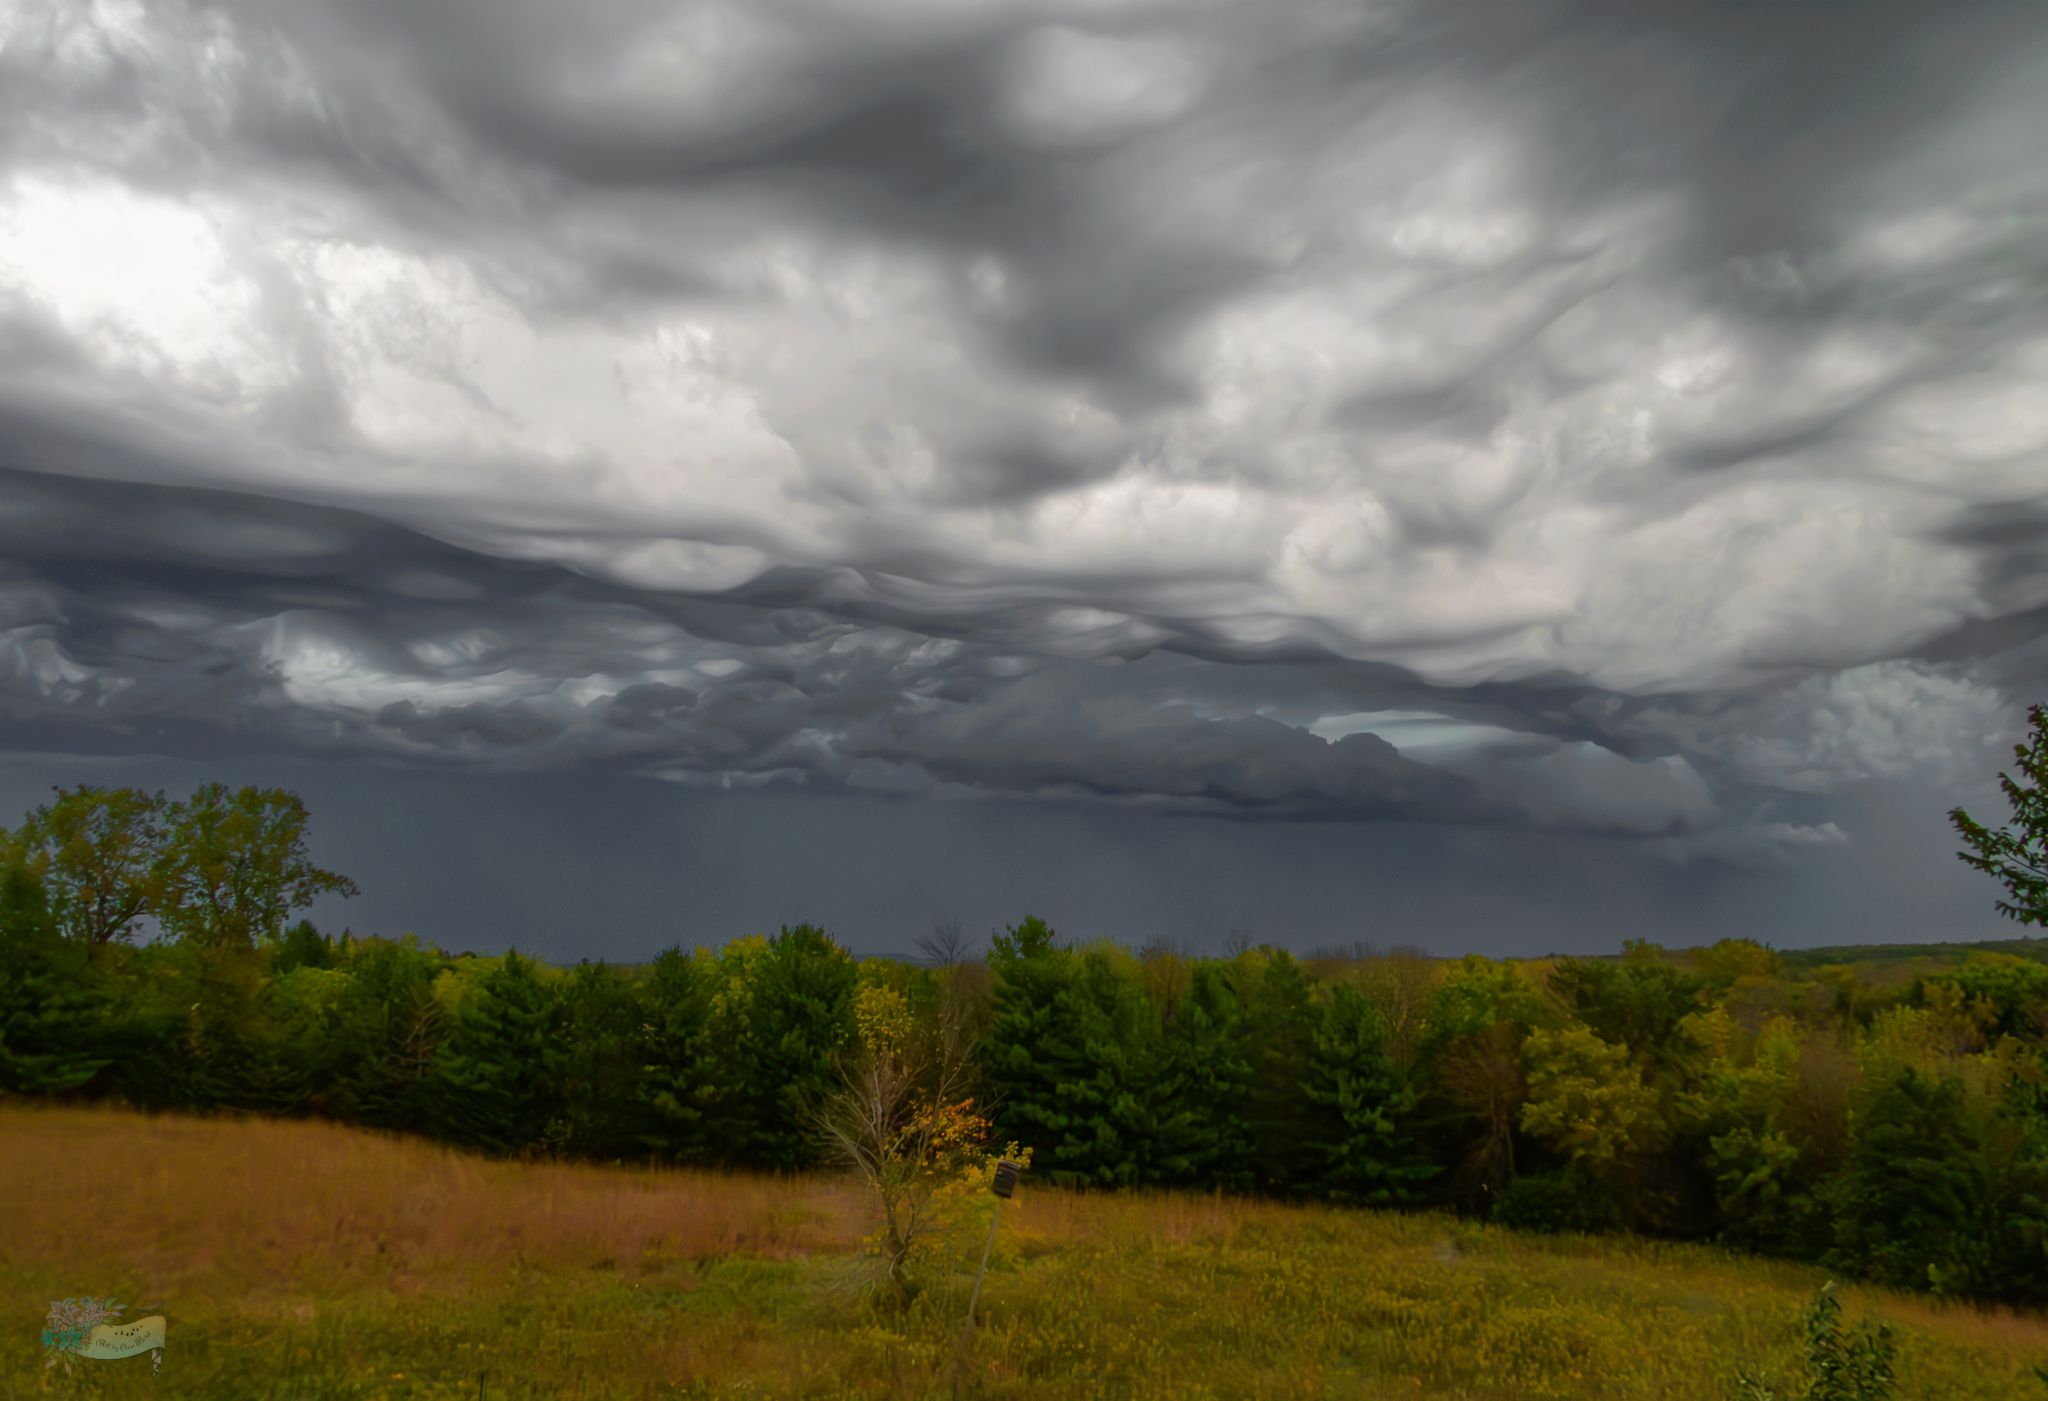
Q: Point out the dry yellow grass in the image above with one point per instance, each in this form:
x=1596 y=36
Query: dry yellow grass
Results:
x=309 y=1260
x=206 y=1203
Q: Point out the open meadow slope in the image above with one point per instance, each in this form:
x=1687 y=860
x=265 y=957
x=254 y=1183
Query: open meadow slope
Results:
x=308 y=1260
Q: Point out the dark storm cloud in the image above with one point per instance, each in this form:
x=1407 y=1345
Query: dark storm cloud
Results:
x=1521 y=420
x=146 y=607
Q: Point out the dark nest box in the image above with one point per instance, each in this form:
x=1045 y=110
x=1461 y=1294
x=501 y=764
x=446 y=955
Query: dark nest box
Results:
x=1005 y=1184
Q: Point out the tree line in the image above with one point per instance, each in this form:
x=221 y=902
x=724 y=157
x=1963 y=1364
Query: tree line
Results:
x=1895 y=1131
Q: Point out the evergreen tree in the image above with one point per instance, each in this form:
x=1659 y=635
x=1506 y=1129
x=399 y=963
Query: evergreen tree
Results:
x=51 y=1010
x=678 y=1084
x=1022 y=1058
x=781 y=1015
x=1197 y=1134
x=604 y=1114
x=498 y=1078
x=1932 y=1198
x=389 y=1028
x=301 y=946
x=1364 y=1109
x=1064 y=1054
x=1279 y=1035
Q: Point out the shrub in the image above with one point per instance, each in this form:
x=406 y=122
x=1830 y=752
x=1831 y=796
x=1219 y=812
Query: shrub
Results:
x=1839 y=1366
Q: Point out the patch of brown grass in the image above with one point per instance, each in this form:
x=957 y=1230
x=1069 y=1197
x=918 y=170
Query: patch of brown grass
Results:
x=179 y=1200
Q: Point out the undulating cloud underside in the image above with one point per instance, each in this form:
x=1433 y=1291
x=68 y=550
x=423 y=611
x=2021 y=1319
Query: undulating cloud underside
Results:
x=1585 y=420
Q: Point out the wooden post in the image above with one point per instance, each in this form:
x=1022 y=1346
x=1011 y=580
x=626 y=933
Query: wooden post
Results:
x=1005 y=1183
x=987 y=1247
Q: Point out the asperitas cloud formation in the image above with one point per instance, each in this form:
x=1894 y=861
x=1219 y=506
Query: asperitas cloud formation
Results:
x=1564 y=416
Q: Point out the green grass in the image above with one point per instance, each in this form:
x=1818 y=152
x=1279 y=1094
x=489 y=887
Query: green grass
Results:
x=306 y=1260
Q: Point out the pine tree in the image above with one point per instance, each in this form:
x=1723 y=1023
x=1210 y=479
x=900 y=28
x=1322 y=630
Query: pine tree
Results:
x=498 y=1077
x=1365 y=1109
x=1279 y=1027
x=1197 y=1135
x=51 y=1012
x=391 y=1027
x=1910 y=1206
x=679 y=1082
x=1064 y=1054
x=604 y=1115
x=783 y=1011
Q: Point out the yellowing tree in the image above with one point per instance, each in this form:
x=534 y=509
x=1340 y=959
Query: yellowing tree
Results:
x=1587 y=1100
x=900 y=1121
x=100 y=855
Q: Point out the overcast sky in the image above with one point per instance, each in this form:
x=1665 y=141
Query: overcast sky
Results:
x=1498 y=474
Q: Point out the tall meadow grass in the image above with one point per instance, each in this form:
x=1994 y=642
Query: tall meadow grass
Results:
x=309 y=1260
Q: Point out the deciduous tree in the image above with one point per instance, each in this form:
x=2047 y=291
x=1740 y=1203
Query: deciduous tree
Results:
x=236 y=866
x=2017 y=853
x=100 y=855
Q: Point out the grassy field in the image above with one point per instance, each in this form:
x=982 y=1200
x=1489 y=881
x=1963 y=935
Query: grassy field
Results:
x=305 y=1260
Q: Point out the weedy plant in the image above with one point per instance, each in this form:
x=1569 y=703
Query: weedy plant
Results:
x=1840 y=1366
x=900 y=1121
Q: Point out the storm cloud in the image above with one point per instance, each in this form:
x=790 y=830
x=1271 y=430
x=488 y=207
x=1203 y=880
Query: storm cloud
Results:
x=1458 y=424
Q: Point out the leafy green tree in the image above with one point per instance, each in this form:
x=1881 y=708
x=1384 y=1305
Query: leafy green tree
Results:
x=1945 y=1194
x=2017 y=853
x=1641 y=1002
x=1364 y=1107
x=1028 y=939
x=1587 y=1100
x=1479 y=1015
x=2007 y=996
x=1764 y=1203
x=2011 y=1129
x=1765 y=1181
x=1727 y=962
x=100 y=855
x=308 y=1003
x=1658 y=1013
x=51 y=1009
x=206 y=1033
x=235 y=865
